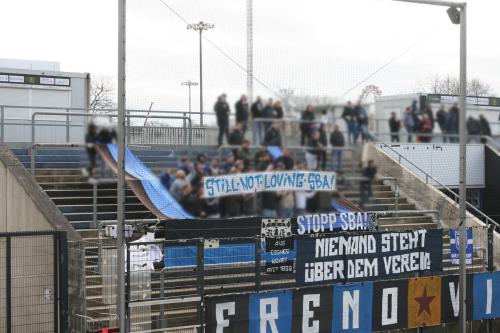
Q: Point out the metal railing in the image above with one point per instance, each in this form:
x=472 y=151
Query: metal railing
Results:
x=486 y=218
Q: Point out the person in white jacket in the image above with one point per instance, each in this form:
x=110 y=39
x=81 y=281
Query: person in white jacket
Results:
x=302 y=196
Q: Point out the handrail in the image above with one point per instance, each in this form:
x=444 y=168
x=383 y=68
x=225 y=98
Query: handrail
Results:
x=67 y=115
x=488 y=219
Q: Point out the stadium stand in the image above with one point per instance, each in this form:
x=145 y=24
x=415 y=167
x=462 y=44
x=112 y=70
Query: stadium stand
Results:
x=58 y=172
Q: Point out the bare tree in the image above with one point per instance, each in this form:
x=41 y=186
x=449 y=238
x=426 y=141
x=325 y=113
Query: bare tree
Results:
x=451 y=86
x=102 y=95
x=298 y=102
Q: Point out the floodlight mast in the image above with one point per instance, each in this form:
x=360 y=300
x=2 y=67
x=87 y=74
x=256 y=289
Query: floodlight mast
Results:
x=457 y=11
x=200 y=27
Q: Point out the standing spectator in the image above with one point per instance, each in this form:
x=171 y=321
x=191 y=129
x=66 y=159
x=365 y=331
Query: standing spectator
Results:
x=286 y=159
x=338 y=142
x=286 y=201
x=409 y=123
x=268 y=113
x=236 y=136
x=233 y=203
x=256 y=111
x=178 y=186
x=245 y=154
x=306 y=125
x=430 y=114
x=315 y=148
x=90 y=142
x=241 y=108
x=323 y=139
x=369 y=173
x=185 y=165
x=166 y=178
x=425 y=128
x=259 y=155
x=394 y=126
x=473 y=128
x=228 y=163
x=278 y=110
x=222 y=111
x=484 y=126
x=362 y=122
x=441 y=120
x=452 y=123
x=215 y=166
x=350 y=120
x=273 y=135
x=301 y=197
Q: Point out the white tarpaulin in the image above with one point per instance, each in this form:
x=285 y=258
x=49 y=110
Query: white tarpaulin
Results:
x=268 y=181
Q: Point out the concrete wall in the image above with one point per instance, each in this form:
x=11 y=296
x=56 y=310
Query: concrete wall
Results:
x=24 y=206
x=426 y=196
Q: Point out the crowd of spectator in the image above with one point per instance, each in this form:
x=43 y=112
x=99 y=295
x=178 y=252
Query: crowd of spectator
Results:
x=267 y=128
x=421 y=124
x=185 y=183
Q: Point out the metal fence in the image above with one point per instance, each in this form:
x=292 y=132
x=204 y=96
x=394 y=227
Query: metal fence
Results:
x=33 y=282
x=165 y=292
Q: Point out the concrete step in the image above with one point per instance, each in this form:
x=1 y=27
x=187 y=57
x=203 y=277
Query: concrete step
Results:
x=101 y=208
x=89 y=200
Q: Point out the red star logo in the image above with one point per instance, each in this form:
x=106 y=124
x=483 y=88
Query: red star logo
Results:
x=424 y=301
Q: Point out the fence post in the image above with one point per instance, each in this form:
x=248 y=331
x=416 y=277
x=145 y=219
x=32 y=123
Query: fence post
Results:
x=162 y=295
x=8 y=285
x=2 y=122
x=200 y=269
x=61 y=280
x=490 y=229
x=127 y=287
x=33 y=161
x=67 y=125
x=257 y=263
x=94 y=205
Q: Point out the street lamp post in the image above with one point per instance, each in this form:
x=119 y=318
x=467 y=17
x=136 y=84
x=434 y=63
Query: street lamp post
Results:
x=457 y=11
x=189 y=84
x=200 y=27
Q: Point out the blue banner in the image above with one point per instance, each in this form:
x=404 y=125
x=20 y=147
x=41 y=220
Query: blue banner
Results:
x=352 y=308
x=271 y=312
x=455 y=246
x=486 y=295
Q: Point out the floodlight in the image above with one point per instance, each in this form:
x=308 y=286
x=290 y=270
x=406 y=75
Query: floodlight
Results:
x=454 y=14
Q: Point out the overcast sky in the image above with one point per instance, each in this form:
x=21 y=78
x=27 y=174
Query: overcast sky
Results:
x=315 y=47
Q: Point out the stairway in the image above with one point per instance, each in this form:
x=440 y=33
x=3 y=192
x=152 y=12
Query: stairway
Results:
x=58 y=172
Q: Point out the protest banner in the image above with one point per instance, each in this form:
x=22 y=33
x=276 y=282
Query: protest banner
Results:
x=455 y=246
x=277 y=235
x=358 y=257
x=245 y=183
x=355 y=307
x=330 y=222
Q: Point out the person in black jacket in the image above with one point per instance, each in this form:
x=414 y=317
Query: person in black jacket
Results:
x=256 y=111
x=337 y=141
x=323 y=139
x=394 y=126
x=222 y=110
x=306 y=125
x=350 y=121
x=441 y=120
x=268 y=113
x=278 y=110
x=90 y=142
x=236 y=138
x=484 y=125
x=241 y=108
x=273 y=135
